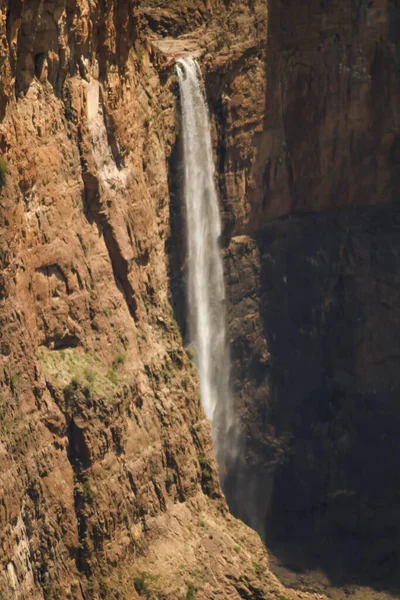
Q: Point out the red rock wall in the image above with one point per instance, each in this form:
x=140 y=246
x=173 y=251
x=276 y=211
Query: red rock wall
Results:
x=106 y=466
x=308 y=114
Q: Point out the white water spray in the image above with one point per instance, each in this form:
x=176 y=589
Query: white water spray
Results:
x=206 y=290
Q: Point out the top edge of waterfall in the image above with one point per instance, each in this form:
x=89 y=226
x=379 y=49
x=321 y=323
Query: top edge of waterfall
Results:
x=185 y=64
x=187 y=57
x=185 y=60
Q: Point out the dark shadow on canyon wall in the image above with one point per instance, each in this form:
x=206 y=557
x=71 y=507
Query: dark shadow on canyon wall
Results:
x=328 y=292
x=319 y=473
x=176 y=243
x=394 y=37
x=314 y=319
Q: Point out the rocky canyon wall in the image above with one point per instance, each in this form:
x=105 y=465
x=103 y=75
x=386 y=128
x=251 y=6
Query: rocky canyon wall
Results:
x=109 y=488
x=307 y=136
x=306 y=101
x=108 y=485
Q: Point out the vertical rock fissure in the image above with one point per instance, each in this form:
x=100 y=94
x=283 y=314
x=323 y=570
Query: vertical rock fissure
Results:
x=205 y=277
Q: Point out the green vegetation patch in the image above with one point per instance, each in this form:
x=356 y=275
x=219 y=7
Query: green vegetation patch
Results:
x=112 y=376
x=87 y=491
x=207 y=482
x=72 y=368
x=191 y=591
x=3 y=171
x=142 y=580
x=118 y=361
x=258 y=570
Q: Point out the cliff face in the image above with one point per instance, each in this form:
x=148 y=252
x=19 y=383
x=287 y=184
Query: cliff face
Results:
x=307 y=136
x=308 y=113
x=108 y=483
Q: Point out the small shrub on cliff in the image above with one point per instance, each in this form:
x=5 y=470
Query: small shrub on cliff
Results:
x=191 y=591
x=112 y=376
x=90 y=375
x=190 y=354
x=258 y=569
x=166 y=375
x=140 y=582
x=170 y=479
x=206 y=477
x=13 y=383
x=107 y=312
x=3 y=171
x=174 y=325
x=72 y=387
x=118 y=361
x=88 y=493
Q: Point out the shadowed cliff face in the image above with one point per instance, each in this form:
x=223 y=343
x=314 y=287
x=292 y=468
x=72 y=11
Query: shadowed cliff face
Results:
x=308 y=123
x=307 y=109
x=320 y=400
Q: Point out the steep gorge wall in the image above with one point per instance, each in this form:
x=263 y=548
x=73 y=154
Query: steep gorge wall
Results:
x=106 y=460
x=306 y=101
x=108 y=485
x=307 y=130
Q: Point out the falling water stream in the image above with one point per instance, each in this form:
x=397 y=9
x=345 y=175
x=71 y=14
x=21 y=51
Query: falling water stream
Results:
x=205 y=277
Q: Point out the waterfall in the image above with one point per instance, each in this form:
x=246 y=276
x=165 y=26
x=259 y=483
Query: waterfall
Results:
x=205 y=277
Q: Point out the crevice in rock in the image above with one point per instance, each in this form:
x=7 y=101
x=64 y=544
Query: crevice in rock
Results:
x=78 y=451
x=96 y=211
x=56 y=271
x=78 y=454
x=39 y=60
x=57 y=342
x=176 y=243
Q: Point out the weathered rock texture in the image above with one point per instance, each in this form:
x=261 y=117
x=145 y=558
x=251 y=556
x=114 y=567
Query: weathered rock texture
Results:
x=306 y=100
x=306 y=105
x=306 y=115
x=108 y=486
